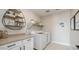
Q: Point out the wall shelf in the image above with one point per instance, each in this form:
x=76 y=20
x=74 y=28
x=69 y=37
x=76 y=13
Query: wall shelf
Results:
x=15 y=18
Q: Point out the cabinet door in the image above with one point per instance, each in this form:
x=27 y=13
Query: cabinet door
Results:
x=30 y=44
x=40 y=41
x=24 y=42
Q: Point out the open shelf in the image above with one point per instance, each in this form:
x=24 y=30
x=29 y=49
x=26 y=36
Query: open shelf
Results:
x=16 y=19
x=14 y=27
x=15 y=10
x=13 y=16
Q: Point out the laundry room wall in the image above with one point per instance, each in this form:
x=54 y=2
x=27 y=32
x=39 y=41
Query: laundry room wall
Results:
x=59 y=34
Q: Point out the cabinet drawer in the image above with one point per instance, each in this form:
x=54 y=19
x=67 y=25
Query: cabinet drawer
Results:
x=26 y=40
x=10 y=45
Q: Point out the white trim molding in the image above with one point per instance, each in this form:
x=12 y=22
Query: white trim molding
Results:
x=66 y=44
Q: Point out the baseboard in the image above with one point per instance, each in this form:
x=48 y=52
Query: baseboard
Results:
x=61 y=43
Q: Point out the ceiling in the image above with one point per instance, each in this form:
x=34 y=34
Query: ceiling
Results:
x=45 y=12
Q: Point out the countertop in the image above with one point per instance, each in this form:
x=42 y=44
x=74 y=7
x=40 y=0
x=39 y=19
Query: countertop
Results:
x=13 y=38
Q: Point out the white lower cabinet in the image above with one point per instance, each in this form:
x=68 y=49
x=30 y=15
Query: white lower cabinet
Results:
x=40 y=41
x=26 y=44
x=30 y=44
x=11 y=46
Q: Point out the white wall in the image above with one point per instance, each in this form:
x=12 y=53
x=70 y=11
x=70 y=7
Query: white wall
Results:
x=59 y=35
x=48 y=25
x=27 y=14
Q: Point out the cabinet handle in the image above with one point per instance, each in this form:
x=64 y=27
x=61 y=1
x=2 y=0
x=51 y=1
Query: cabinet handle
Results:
x=11 y=45
x=20 y=48
x=24 y=47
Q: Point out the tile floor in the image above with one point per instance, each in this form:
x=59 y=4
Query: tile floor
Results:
x=55 y=46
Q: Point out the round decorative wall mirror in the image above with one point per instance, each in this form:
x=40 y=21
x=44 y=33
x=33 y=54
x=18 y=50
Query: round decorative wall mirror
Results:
x=13 y=19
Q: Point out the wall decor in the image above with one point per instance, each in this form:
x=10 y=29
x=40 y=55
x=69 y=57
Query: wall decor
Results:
x=61 y=24
x=13 y=19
